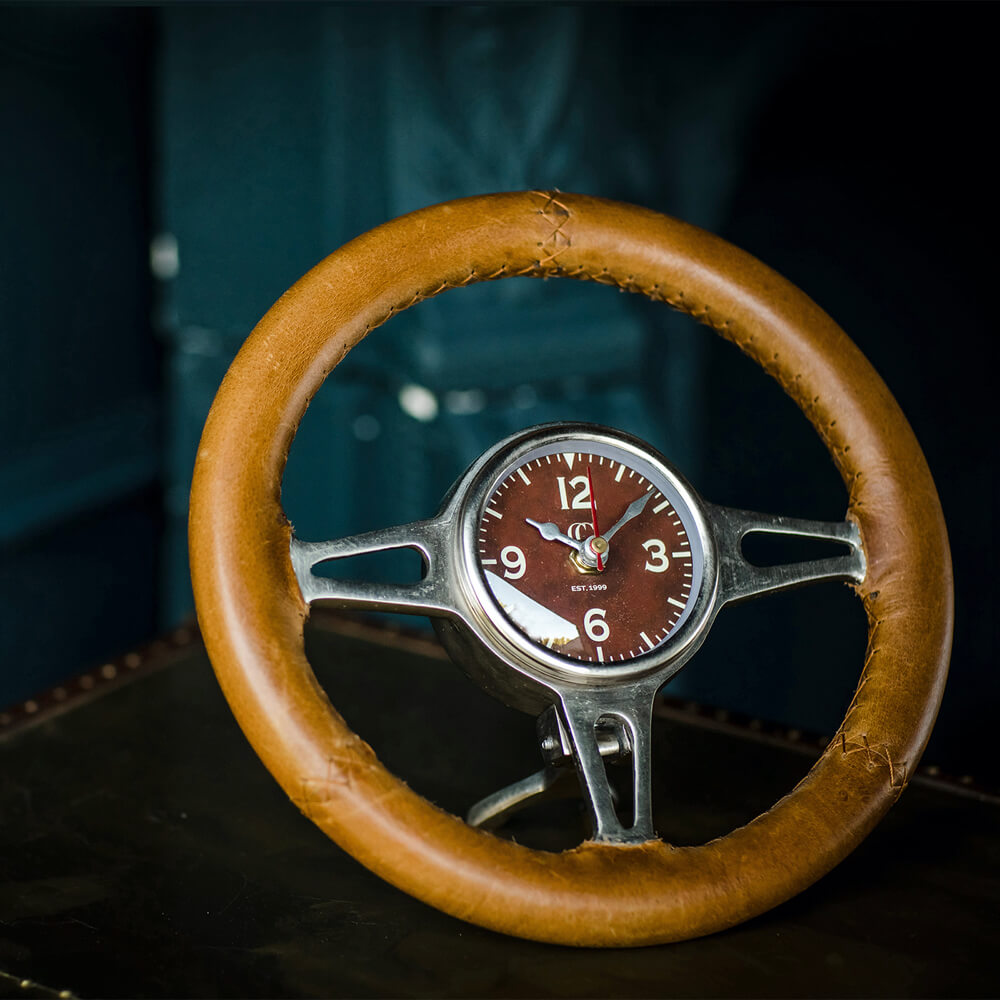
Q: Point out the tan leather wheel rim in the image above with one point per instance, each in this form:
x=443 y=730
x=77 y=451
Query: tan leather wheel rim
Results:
x=251 y=611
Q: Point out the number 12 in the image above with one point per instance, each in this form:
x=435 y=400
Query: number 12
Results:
x=582 y=499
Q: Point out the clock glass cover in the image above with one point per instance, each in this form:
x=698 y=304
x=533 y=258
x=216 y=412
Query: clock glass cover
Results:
x=589 y=550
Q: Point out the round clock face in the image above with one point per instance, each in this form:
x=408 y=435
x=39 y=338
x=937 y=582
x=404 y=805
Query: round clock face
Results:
x=590 y=550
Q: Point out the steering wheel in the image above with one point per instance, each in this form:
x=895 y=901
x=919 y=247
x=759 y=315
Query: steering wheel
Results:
x=252 y=580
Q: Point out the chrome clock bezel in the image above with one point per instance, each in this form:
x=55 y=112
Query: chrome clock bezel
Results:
x=505 y=639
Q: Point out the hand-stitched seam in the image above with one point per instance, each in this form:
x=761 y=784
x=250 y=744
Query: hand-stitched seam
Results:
x=550 y=199
x=872 y=649
x=875 y=757
x=554 y=211
x=420 y=296
x=557 y=214
x=340 y=771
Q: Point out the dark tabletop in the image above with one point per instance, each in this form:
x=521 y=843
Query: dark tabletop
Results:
x=145 y=851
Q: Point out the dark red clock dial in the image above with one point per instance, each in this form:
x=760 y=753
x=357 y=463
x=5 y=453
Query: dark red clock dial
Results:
x=601 y=598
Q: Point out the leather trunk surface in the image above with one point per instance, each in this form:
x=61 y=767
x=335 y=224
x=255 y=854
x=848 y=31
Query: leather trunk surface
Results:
x=145 y=851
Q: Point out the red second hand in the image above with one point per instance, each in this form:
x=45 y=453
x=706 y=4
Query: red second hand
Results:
x=593 y=514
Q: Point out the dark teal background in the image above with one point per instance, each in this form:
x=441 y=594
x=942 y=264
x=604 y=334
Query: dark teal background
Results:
x=81 y=406
x=836 y=143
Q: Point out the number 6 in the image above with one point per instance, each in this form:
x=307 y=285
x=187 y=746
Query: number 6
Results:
x=595 y=626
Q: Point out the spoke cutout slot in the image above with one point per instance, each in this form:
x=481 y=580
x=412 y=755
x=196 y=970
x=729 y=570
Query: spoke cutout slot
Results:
x=771 y=548
x=615 y=743
x=403 y=565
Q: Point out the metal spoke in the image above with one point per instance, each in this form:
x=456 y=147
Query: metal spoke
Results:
x=428 y=596
x=580 y=713
x=740 y=580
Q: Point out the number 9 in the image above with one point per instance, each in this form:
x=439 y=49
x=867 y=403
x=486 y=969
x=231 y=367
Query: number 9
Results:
x=513 y=558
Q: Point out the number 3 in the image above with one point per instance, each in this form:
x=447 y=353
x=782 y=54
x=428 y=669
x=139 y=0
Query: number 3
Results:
x=658 y=554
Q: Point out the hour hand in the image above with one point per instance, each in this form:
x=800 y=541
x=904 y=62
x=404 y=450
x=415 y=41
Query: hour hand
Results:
x=551 y=533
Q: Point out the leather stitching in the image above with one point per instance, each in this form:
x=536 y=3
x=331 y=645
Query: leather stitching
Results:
x=341 y=769
x=875 y=757
x=557 y=214
x=875 y=625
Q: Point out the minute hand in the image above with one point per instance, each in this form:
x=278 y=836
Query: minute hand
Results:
x=634 y=509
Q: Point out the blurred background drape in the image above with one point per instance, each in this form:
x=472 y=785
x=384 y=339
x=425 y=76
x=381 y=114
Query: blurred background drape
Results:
x=168 y=172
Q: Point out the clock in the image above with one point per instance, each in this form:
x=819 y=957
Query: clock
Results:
x=588 y=546
x=571 y=572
